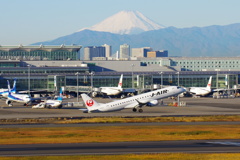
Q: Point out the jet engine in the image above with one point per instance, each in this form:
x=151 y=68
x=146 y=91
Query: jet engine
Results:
x=152 y=103
x=9 y=103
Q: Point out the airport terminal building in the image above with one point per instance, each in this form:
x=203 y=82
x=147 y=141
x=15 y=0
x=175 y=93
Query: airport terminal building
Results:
x=40 y=53
x=50 y=67
x=54 y=74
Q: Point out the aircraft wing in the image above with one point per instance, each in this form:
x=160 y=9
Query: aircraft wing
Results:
x=142 y=103
x=84 y=109
x=87 y=111
x=222 y=89
x=149 y=102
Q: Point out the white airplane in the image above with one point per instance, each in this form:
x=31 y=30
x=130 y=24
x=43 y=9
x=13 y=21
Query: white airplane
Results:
x=51 y=103
x=4 y=92
x=135 y=102
x=202 y=91
x=112 y=91
x=14 y=97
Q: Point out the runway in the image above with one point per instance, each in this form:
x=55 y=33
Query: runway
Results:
x=193 y=146
x=195 y=107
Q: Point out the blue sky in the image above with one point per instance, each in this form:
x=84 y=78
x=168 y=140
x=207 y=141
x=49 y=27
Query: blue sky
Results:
x=29 y=21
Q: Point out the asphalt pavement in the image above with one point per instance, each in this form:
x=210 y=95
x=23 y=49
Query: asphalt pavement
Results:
x=194 y=107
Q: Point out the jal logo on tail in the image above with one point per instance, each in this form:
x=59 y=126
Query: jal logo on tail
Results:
x=89 y=103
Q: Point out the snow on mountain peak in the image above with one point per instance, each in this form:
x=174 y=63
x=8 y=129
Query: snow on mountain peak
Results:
x=126 y=22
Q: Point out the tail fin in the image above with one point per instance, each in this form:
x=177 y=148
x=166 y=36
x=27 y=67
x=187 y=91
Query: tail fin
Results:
x=14 y=86
x=209 y=83
x=120 y=81
x=9 y=90
x=60 y=98
x=89 y=102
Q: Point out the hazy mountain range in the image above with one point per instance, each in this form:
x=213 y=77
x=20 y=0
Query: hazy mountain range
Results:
x=133 y=28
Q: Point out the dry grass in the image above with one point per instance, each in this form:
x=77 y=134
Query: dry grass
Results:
x=153 y=119
x=124 y=119
x=117 y=134
x=162 y=156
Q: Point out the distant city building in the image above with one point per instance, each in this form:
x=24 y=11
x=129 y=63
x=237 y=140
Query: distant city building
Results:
x=140 y=52
x=108 y=50
x=161 y=53
x=41 y=52
x=94 y=51
x=124 y=51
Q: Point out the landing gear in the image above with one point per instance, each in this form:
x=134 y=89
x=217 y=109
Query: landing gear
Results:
x=122 y=96
x=139 y=110
x=49 y=107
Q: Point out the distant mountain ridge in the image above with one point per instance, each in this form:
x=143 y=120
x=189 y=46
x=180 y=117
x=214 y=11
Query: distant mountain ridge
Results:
x=212 y=41
x=121 y=28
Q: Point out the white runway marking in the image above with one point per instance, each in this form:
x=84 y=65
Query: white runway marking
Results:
x=226 y=143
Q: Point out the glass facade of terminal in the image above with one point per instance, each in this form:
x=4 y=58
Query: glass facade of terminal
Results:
x=63 y=77
x=197 y=64
x=52 y=78
x=40 y=77
x=144 y=81
x=40 y=52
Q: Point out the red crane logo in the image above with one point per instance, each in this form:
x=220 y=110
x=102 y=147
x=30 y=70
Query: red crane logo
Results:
x=89 y=103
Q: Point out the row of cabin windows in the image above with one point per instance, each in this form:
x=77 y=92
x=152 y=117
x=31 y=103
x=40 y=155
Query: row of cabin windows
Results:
x=130 y=101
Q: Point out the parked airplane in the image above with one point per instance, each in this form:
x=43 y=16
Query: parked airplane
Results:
x=135 y=102
x=4 y=92
x=51 y=103
x=202 y=91
x=14 y=97
x=112 y=91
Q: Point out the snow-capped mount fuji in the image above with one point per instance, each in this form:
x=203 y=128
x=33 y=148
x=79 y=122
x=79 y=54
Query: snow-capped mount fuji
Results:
x=126 y=22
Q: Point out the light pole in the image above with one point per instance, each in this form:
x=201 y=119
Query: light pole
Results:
x=92 y=74
x=178 y=78
x=132 y=76
x=77 y=87
x=161 y=79
x=178 y=100
x=29 y=78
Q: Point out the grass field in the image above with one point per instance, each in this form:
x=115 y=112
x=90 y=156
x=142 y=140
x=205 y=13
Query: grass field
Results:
x=161 y=156
x=124 y=133
x=124 y=119
x=117 y=133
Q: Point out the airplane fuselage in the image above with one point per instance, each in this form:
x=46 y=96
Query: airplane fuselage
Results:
x=110 y=90
x=21 y=98
x=53 y=103
x=198 y=91
x=137 y=101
